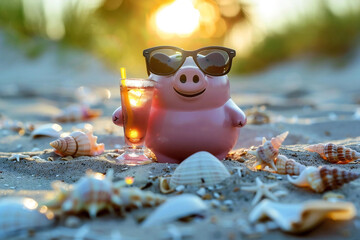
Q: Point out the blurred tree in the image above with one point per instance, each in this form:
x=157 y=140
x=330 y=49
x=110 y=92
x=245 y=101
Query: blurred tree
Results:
x=118 y=30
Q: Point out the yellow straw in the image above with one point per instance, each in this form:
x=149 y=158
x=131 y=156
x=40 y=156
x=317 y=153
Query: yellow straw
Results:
x=123 y=73
x=126 y=101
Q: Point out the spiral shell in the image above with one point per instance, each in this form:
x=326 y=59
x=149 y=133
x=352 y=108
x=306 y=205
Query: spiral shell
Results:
x=17 y=214
x=288 y=166
x=334 y=153
x=323 y=178
x=267 y=153
x=201 y=168
x=78 y=144
x=75 y=113
x=95 y=192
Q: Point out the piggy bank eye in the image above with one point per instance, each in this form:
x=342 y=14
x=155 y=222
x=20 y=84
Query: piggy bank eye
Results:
x=165 y=63
x=214 y=62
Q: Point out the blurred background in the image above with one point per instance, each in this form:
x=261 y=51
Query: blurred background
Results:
x=297 y=63
x=263 y=32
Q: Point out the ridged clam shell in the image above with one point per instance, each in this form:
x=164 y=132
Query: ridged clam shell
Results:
x=78 y=144
x=288 y=166
x=200 y=169
x=17 y=214
x=334 y=153
x=267 y=153
x=302 y=217
x=95 y=192
x=74 y=113
x=323 y=178
x=175 y=208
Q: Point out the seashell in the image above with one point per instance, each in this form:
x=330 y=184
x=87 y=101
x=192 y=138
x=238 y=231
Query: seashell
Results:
x=175 y=208
x=288 y=166
x=334 y=153
x=257 y=116
x=78 y=144
x=323 y=178
x=200 y=169
x=95 y=192
x=302 y=217
x=164 y=186
x=18 y=214
x=12 y=125
x=78 y=112
x=267 y=153
x=47 y=130
x=133 y=197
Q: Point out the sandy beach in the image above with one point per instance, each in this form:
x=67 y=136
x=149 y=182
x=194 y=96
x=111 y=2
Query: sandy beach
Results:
x=316 y=104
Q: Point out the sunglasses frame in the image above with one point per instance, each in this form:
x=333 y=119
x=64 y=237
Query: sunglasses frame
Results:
x=185 y=54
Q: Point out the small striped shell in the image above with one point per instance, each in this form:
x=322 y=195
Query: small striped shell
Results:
x=323 y=178
x=334 y=153
x=164 y=185
x=200 y=169
x=78 y=144
x=267 y=153
x=75 y=113
x=17 y=214
x=288 y=166
x=95 y=192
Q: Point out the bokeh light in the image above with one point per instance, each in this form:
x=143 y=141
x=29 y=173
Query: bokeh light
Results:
x=179 y=17
x=129 y=180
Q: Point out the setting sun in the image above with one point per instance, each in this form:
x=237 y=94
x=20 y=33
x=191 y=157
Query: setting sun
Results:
x=179 y=17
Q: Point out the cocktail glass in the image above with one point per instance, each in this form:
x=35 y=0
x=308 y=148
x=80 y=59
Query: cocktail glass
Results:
x=136 y=98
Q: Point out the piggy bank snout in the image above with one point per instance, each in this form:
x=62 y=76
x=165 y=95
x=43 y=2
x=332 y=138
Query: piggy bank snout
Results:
x=189 y=80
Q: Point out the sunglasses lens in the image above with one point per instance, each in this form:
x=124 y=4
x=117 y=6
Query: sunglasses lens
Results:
x=214 y=62
x=164 y=61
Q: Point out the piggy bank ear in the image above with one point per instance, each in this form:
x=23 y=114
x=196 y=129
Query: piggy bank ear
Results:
x=162 y=63
x=213 y=62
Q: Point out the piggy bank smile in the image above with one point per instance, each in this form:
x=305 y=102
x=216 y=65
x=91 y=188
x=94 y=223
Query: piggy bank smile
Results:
x=189 y=94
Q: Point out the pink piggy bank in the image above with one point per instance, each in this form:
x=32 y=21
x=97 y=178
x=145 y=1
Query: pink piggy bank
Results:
x=191 y=110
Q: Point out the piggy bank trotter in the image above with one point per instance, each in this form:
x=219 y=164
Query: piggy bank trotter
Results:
x=191 y=110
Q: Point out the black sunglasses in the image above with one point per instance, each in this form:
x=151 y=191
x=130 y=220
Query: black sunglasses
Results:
x=166 y=60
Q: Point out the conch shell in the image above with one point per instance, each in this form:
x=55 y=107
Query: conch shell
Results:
x=267 y=153
x=302 y=217
x=78 y=144
x=96 y=192
x=77 y=112
x=200 y=169
x=288 y=166
x=334 y=153
x=323 y=178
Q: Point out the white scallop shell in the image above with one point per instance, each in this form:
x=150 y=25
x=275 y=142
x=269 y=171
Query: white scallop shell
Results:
x=174 y=208
x=200 y=169
x=47 y=130
x=17 y=214
x=301 y=217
